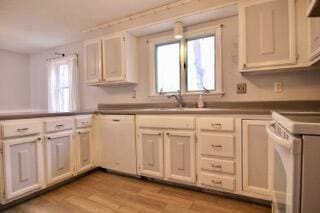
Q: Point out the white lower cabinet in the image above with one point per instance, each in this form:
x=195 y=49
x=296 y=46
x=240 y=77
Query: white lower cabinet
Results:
x=256 y=158
x=23 y=168
x=59 y=157
x=166 y=150
x=118 y=146
x=216 y=152
x=180 y=156
x=151 y=153
x=83 y=149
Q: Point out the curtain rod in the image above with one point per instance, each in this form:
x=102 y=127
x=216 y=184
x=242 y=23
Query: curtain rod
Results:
x=61 y=55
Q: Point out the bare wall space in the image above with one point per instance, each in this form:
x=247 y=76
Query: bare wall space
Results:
x=14 y=81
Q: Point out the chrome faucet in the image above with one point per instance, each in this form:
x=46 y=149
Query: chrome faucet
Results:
x=178 y=98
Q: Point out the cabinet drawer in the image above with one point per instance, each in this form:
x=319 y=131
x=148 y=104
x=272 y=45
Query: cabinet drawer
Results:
x=84 y=121
x=216 y=124
x=61 y=124
x=23 y=128
x=218 y=145
x=215 y=165
x=167 y=122
x=217 y=181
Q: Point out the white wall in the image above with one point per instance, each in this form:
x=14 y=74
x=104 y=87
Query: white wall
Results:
x=14 y=81
x=302 y=85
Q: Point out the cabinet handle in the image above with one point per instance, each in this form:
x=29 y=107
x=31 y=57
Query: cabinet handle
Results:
x=216 y=125
x=150 y=164
x=115 y=120
x=59 y=125
x=159 y=134
x=181 y=169
x=39 y=139
x=216 y=166
x=216 y=182
x=79 y=133
x=23 y=130
x=84 y=122
x=168 y=133
x=49 y=138
x=216 y=146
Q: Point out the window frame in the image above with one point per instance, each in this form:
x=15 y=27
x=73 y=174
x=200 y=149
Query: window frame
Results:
x=188 y=35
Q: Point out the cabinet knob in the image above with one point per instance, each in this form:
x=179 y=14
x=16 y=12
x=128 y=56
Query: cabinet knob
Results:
x=159 y=134
x=168 y=133
x=39 y=139
x=244 y=65
x=49 y=138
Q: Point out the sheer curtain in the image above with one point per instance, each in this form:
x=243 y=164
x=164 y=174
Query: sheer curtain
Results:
x=55 y=102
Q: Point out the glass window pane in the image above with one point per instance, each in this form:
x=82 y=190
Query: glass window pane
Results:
x=201 y=63
x=63 y=99
x=63 y=75
x=168 y=67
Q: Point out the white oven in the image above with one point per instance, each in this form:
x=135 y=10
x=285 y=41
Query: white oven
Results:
x=285 y=168
x=295 y=141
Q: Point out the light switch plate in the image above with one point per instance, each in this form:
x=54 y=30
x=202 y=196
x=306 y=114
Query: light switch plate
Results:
x=241 y=88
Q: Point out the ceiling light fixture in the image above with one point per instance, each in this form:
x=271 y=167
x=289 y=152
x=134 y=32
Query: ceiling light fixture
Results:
x=178 y=30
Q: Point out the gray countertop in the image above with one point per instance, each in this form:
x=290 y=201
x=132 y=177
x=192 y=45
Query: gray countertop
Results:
x=41 y=114
x=244 y=108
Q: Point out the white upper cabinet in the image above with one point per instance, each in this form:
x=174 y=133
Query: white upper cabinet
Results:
x=267 y=35
x=112 y=60
x=180 y=156
x=314 y=29
x=93 y=61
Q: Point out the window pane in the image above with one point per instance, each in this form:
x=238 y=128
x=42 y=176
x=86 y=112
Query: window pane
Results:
x=63 y=99
x=167 y=67
x=201 y=63
x=63 y=75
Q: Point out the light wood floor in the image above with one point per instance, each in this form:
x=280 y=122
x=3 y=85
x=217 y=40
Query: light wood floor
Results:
x=104 y=192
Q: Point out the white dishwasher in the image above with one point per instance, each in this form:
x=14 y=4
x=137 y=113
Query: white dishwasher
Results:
x=118 y=144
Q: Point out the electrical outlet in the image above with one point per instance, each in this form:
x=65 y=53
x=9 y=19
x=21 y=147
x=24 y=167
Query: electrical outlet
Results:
x=278 y=86
x=242 y=88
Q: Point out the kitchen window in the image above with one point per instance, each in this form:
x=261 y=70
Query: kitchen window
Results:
x=192 y=64
x=62 y=84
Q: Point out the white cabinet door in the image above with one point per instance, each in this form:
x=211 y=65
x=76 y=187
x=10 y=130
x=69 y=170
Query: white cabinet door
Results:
x=113 y=58
x=151 y=153
x=180 y=156
x=23 y=166
x=84 y=149
x=256 y=157
x=314 y=24
x=93 y=61
x=267 y=34
x=118 y=146
x=59 y=157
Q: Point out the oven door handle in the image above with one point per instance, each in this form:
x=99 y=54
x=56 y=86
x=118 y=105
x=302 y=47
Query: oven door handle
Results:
x=287 y=143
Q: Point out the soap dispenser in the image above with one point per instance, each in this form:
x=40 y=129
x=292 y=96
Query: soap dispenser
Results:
x=200 y=102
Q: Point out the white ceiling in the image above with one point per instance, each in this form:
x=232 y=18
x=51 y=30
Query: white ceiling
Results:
x=30 y=26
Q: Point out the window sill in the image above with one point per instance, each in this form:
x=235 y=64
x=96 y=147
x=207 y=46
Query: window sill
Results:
x=191 y=95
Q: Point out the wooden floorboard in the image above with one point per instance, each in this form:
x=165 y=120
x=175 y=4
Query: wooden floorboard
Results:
x=105 y=192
